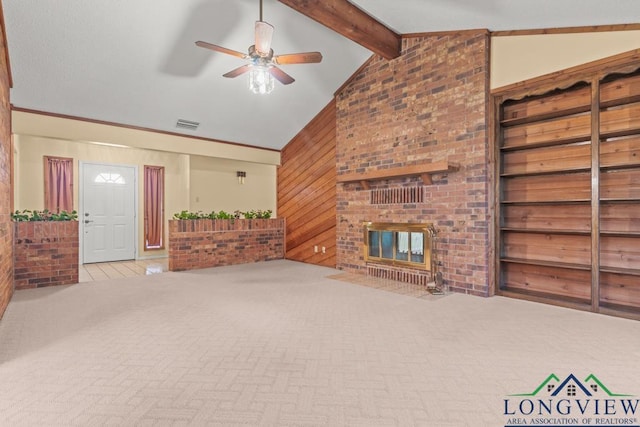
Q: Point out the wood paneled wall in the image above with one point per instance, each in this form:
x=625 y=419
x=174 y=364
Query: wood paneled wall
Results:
x=307 y=191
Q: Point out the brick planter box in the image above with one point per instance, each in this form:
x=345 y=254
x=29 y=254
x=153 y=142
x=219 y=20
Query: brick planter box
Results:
x=46 y=253
x=202 y=243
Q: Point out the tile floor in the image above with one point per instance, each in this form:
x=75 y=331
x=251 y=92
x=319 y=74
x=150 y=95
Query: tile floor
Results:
x=118 y=270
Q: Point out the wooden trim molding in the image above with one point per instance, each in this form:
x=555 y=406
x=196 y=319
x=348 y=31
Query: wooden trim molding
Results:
x=446 y=33
x=139 y=128
x=568 y=30
x=622 y=63
x=12 y=168
x=595 y=194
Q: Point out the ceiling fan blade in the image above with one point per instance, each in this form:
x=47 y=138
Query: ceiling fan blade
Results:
x=281 y=76
x=236 y=72
x=298 y=58
x=264 y=35
x=217 y=48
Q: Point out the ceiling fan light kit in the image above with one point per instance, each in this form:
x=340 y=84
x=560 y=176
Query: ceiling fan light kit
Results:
x=262 y=67
x=260 y=80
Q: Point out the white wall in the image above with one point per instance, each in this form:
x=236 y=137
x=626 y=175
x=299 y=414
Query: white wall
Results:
x=517 y=58
x=215 y=186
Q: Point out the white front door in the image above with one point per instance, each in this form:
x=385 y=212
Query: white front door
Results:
x=108 y=212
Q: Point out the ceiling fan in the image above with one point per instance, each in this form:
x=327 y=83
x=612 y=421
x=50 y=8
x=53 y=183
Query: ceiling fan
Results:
x=260 y=56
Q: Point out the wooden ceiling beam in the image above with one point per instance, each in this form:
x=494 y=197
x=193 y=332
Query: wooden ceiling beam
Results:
x=353 y=23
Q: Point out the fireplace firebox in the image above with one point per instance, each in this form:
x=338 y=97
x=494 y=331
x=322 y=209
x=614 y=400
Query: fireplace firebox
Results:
x=402 y=244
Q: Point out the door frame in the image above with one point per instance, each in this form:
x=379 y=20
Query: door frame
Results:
x=81 y=170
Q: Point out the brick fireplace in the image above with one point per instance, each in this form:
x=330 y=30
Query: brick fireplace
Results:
x=424 y=109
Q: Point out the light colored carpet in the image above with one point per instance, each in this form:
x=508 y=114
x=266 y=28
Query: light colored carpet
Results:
x=281 y=344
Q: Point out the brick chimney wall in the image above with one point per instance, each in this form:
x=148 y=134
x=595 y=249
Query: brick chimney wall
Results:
x=430 y=104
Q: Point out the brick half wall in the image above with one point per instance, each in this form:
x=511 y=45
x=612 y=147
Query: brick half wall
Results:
x=428 y=105
x=207 y=243
x=46 y=254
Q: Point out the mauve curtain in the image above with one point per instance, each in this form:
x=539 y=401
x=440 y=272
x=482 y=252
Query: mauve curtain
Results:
x=153 y=202
x=59 y=183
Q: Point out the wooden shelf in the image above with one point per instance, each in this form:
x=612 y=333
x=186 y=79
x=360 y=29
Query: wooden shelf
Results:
x=617 y=270
x=619 y=133
x=546 y=231
x=619 y=233
x=546 y=116
x=542 y=263
x=547 y=202
x=544 y=144
x=424 y=171
x=631 y=99
x=570 y=232
x=618 y=200
x=546 y=298
x=546 y=172
x=620 y=166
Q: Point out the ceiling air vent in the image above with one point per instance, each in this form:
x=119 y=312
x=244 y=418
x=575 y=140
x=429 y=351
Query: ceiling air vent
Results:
x=187 y=124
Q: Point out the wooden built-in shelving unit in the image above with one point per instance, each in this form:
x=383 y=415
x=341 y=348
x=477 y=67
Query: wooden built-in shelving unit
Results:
x=424 y=171
x=567 y=154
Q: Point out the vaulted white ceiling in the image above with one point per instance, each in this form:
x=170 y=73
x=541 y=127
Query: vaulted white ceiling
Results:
x=134 y=62
x=411 y=16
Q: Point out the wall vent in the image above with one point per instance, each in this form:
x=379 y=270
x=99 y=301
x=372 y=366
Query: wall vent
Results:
x=421 y=278
x=187 y=124
x=401 y=195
